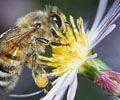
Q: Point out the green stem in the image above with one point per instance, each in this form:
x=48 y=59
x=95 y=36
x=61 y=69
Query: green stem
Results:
x=94 y=68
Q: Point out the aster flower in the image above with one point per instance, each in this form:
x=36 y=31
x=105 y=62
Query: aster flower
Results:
x=76 y=56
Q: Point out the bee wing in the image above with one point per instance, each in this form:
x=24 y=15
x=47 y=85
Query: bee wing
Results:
x=13 y=46
x=14 y=42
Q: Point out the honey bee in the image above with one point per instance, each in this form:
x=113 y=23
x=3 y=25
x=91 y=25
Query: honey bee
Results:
x=21 y=45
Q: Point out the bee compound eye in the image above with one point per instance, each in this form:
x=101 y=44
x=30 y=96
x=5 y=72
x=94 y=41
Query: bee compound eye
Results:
x=57 y=20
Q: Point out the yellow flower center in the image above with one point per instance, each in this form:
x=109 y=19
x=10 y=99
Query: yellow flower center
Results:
x=73 y=53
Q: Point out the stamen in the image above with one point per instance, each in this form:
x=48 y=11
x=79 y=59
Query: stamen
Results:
x=72 y=22
x=80 y=25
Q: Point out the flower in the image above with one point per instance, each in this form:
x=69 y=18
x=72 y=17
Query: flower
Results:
x=75 y=55
x=67 y=60
x=110 y=82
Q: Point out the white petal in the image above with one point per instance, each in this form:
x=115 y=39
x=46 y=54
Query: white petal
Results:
x=107 y=32
x=86 y=25
x=92 y=57
x=105 y=24
x=108 y=20
x=111 y=14
x=100 y=12
x=56 y=80
x=60 y=95
x=51 y=94
x=69 y=80
x=72 y=89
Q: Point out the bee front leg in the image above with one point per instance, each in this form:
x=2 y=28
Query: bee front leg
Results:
x=40 y=75
x=34 y=57
x=42 y=81
x=43 y=41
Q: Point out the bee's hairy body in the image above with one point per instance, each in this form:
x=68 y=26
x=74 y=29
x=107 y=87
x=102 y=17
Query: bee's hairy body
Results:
x=22 y=44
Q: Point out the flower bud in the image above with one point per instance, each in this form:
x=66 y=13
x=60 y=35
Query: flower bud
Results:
x=110 y=82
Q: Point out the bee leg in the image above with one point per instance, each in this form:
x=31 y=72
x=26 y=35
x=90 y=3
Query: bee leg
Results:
x=43 y=40
x=58 y=44
x=38 y=73
x=31 y=54
x=40 y=80
x=34 y=62
x=47 y=42
x=48 y=87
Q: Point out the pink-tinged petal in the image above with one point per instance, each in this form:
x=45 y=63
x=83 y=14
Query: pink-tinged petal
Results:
x=72 y=89
x=110 y=82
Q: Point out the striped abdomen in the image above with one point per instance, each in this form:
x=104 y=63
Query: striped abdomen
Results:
x=10 y=70
x=13 y=48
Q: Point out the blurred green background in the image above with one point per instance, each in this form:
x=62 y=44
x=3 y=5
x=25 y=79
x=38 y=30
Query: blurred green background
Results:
x=10 y=10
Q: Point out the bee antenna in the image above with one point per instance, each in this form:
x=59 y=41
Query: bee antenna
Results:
x=25 y=95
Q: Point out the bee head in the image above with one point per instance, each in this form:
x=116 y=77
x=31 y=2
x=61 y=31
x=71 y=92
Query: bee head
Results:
x=44 y=21
x=57 y=18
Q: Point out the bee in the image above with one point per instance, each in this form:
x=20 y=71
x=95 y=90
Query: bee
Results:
x=21 y=44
